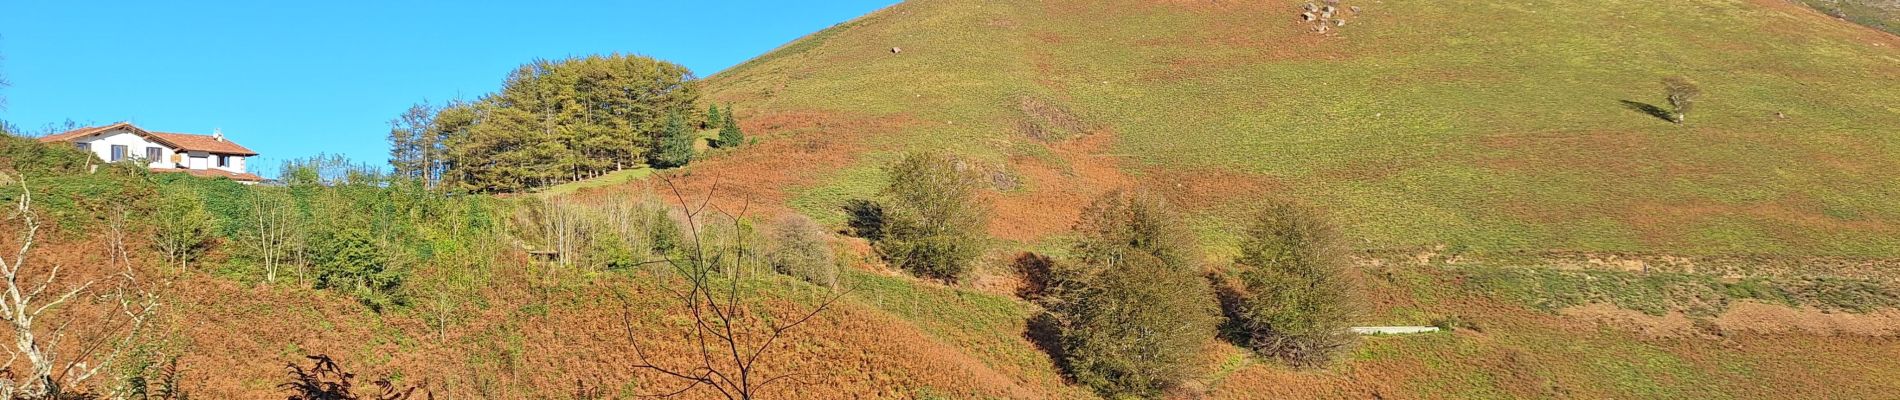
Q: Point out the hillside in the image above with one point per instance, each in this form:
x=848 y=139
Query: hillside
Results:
x=1476 y=125
x=1488 y=161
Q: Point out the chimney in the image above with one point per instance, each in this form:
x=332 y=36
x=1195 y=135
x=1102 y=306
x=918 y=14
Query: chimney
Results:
x=217 y=134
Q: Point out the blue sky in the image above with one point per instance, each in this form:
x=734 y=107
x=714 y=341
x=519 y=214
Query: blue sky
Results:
x=293 y=79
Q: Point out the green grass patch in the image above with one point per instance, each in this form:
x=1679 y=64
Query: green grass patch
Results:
x=611 y=179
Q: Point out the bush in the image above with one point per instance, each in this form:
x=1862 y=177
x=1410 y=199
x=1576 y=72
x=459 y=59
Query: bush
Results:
x=1122 y=221
x=799 y=248
x=1135 y=328
x=351 y=261
x=1297 y=301
x=933 y=223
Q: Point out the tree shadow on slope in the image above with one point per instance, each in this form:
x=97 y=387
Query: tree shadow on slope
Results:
x=1043 y=329
x=1650 y=109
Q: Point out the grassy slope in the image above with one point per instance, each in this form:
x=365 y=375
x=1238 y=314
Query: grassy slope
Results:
x=1485 y=126
x=1481 y=125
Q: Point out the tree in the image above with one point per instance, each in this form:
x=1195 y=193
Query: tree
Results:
x=3 y=99
x=799 y=248
x=273 y=229
x=713 y=118
x=728 y=336
x=182 y=228
x=934 y=224
x=1122 y=222
x=676 y=147
x=1133 y=311
x=24 y=306
x=1298 y=296
x=729 y=133
x=556 y=121
x=1682 y=95
x=414 y=147
x=1135 y=329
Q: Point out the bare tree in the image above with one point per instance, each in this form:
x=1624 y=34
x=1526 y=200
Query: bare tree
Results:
x=1682 y=94
x=23 y=305
x=728 y=338
x=274 y=233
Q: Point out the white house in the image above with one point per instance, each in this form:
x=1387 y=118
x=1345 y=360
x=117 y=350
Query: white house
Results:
x=202 y=155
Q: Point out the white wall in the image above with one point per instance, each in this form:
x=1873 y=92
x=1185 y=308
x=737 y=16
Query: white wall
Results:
x=134 y=147
x=198 y=160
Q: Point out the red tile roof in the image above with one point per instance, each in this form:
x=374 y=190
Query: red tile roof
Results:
x=182 y=141
x=78 y=133
x=205 y=143
x=214 y=173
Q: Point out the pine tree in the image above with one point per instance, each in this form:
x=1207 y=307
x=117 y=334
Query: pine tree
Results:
x=713 y=118
x=729 y=133
x=412 y=144
x=676 y=144
x=555 y=121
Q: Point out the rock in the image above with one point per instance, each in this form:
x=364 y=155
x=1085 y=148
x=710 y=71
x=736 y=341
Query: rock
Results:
x=897 y=50
x=1307 y=16
x=1339 y=22
x=1310 y=7
x=1355 y=10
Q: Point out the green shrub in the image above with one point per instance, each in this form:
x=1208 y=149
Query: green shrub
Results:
x=351 y=261
x=799 y=248
x=934 y=225
x=1297 y=298
x=1134 y=329
x=1122 y=221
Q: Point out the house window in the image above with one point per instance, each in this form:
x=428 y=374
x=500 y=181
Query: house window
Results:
x=224 y=161
x=153 y=154
x=118 y=152
x=83 y=146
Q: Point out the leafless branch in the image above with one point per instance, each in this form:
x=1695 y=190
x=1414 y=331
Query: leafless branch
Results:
x=729 y=341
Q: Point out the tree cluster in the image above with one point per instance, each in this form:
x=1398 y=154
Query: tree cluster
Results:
x=1128 y=312
x=557 y=121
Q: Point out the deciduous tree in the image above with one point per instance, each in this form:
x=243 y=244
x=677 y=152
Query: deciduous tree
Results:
x=1682 y=96
x=933 y=222
x=1298 y=296
x=36 y=297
